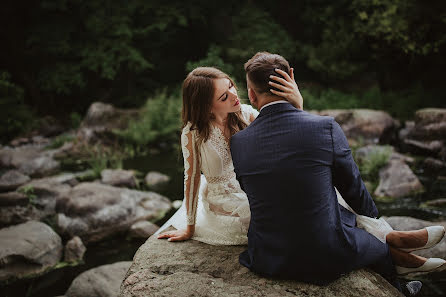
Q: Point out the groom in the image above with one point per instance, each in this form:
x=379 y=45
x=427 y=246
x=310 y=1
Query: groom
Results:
x=288 y=162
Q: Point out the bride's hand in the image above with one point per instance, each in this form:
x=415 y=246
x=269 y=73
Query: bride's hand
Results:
x=177 y=235
x=288 y=87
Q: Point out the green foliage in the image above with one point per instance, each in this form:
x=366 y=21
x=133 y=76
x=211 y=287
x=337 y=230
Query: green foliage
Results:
x=101 y=158
x=370 y=167
x=29 y=192
x=75 y=120
x=60 y=140
x=15 y=116
x=159 y=121
x=400 y=104
x=393 y=22
x=262 y=33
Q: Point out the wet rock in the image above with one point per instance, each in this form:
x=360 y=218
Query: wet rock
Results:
x=94 y=211
x=74 y=250
x=428 y=135
x=30 y=160
x=403 y=223
x=12 y=179
x=434 y=164
x=102 y=281
x=199 y=269
x=28 y=249
x=439 y=203
x=155 y=180
x=369 y=126
x=397 y=180
x=119 y=177
x=177 y=204
x=143 y=229
x=423 y=147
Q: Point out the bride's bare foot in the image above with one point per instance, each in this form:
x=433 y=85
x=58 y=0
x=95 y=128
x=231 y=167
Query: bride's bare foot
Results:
x=404 y=259
x=407 y=239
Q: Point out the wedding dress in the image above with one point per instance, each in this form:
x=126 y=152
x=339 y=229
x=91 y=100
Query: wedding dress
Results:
x=214 y=200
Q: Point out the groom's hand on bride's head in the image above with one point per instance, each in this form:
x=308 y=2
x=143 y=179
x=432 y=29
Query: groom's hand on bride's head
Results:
x=287 y=87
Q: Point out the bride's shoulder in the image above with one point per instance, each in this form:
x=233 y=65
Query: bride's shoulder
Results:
x=248 y=111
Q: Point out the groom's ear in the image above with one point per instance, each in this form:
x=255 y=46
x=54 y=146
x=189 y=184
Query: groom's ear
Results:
x=252 y=96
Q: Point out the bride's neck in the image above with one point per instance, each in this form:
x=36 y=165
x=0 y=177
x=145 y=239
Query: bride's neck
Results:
x=221 y=119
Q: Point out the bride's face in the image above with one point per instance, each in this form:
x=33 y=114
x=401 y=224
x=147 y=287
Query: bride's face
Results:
x=225 y=97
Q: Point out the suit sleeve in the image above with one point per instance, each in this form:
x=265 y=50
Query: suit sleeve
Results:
x=346 y=176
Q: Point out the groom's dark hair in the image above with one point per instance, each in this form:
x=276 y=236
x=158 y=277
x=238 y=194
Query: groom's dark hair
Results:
x=261 y=66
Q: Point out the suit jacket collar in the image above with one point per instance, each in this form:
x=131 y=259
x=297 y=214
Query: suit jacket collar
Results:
x=277 y=108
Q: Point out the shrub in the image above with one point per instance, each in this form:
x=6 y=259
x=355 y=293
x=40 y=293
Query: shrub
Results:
x=159 y=121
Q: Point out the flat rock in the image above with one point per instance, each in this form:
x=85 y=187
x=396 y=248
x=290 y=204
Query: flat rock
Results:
x=119 y=177
x=28 y=249
x=397 y=180
x=102 y=281
x=12 y=179
x=191 y=268
x=94 y=211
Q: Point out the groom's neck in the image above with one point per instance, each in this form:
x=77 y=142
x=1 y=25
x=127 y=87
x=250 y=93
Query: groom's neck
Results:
x=267 y=99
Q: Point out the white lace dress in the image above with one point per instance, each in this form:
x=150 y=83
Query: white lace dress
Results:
x=214 y=200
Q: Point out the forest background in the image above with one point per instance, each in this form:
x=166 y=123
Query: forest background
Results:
x=59 y=56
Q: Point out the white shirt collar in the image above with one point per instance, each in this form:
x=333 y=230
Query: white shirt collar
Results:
x=274 y=102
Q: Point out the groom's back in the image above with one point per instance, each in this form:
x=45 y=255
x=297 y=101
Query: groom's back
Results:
x=283 y=161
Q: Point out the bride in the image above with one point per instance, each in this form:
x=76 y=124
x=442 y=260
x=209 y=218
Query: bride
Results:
x=215 y=209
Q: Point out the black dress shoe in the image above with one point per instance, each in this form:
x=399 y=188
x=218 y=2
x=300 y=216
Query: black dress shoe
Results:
x=412 y=288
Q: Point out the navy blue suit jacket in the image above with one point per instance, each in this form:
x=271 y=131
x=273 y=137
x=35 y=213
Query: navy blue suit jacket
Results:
x=288 y=162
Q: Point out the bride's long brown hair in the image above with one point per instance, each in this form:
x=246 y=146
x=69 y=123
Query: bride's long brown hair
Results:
x=198 y=92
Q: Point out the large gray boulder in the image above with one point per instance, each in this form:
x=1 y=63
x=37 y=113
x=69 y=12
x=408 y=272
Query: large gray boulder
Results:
x=34 y=200
x=94 y=211
x=397 y=180
x=27 y=250
x=367 y=125
x=12 y=179
x=101 y=120
x=428 y=134
x=191 y=268
x=102 y=281
x=403 y=223
x=31 y=160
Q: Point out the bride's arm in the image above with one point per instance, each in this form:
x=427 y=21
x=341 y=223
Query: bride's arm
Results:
x=191 y=186
x=288 y=88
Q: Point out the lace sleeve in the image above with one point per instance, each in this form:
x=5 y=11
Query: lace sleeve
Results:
x=191 y=173
x=249 y=113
